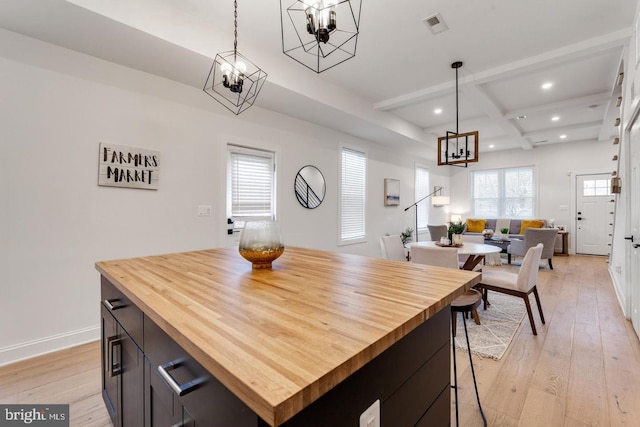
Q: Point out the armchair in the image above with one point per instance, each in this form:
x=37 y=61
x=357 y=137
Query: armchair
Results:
x=533 y=236
x=437 y=231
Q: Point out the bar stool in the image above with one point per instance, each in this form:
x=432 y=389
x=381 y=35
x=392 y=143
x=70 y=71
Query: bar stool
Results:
x=465 y=304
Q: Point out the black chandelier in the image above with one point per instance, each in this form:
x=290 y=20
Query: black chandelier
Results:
x=320 y=34
x=234 y=81
x=458 y=149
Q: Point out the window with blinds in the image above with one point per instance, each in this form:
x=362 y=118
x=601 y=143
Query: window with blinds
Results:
x=353 y=174
x=422 y=190
x=251 y=177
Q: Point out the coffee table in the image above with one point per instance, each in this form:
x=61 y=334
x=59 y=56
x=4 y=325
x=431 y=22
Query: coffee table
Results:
x=502 y=244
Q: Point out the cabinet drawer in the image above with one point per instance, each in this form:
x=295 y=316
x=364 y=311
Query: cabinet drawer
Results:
x=125 y=312
x=202 y=395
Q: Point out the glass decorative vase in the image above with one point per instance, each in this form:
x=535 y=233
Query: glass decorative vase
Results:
x=261 y=243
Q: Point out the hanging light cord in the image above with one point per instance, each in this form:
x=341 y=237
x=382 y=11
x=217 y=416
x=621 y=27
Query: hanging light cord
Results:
x=235 y=30
x=457 y=131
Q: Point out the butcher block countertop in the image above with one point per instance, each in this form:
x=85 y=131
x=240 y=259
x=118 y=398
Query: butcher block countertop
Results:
x=282 y=337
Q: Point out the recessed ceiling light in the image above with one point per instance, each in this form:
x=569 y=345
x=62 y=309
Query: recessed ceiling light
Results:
x=547 y=85
x=524 y=116
x=555 y=118
x=491 y=146
x=437 y=111
x=563 y=136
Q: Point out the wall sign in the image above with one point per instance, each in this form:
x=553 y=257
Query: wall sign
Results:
x=131 y=167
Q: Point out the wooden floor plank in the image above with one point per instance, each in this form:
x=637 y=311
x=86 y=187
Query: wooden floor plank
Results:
x=542 y=409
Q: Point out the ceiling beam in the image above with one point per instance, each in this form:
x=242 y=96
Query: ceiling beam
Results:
x=484 y=103
x=584 y=49
x=569 y=103
x=553 y=132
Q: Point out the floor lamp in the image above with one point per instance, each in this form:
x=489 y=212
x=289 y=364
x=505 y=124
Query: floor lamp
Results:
x=437 y=200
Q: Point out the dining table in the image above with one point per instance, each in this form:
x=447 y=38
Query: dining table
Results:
x=475 y=251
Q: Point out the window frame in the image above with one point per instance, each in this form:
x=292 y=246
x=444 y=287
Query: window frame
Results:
x=596 y=187
x=341 y=208
x=419 y=195
x=271 y=155
x=502 y=198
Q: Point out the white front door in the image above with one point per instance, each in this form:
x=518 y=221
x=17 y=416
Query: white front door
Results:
x=634 y=248
x=593 y=206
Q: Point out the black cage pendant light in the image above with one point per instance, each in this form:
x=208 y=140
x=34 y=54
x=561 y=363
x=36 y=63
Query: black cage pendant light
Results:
x=233 y=80
x=320 y=34
x=458 y=149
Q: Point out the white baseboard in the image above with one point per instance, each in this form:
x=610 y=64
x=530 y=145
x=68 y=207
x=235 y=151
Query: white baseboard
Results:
x=27 y=350
x=620 y=294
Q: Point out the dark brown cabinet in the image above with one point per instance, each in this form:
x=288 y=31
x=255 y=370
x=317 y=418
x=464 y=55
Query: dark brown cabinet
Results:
x=122 y=373
x=161 y=405
x=180 y=390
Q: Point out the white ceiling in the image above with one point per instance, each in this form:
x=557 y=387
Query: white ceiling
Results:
x=401 y=71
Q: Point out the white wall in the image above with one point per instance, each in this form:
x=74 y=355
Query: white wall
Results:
x=57 y=105
x=556 y=168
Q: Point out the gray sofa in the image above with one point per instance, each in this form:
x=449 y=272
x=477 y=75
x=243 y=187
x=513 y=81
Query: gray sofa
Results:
x=514 y=227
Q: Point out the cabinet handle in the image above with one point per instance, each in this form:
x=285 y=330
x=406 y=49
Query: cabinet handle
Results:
x=183 y=422
x=111 y=306
x=115 y=369
x=183 y=389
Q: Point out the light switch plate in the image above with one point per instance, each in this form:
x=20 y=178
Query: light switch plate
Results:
x=371 y=417
x=204 y=210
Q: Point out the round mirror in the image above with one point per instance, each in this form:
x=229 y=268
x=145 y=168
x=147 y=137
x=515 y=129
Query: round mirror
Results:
x=310 y=187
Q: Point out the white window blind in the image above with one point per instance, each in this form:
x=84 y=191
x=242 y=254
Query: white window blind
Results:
x=352 y=195
x=504 y=193
x=422 y=189
x=251 y=177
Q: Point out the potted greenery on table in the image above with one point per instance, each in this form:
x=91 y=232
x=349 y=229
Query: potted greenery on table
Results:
x=505 y=233
x=407 y=236
x=456 y=228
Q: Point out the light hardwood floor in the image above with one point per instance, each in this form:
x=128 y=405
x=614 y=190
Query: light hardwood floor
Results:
x=583 y=368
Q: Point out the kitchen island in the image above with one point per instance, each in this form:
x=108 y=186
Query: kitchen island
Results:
x=313 y=341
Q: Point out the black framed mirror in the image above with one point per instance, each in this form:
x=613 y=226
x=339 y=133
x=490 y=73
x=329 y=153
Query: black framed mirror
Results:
x=310 y=187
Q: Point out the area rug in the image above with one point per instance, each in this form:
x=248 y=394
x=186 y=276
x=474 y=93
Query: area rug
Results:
x=498 y=324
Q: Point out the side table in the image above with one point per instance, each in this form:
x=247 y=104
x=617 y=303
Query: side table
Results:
x=564 y=235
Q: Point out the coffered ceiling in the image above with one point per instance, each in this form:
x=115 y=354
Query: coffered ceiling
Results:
x=401 y=72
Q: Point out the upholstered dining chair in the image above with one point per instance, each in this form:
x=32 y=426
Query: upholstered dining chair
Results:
x=533 y=236
x=440 y=257
x=392 y=248
x=520 y=285
x=437 y=231
x=464 y=304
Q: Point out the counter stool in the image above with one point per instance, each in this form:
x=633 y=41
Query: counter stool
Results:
x=465 y=304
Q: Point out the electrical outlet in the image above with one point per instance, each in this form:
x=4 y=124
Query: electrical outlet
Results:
x=371 y=417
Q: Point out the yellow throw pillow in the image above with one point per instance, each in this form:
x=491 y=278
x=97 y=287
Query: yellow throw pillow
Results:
x=533 y=223
x=476 y=225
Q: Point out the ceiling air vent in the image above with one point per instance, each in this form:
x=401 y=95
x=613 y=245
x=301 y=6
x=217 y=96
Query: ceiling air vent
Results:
x=436 y=24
